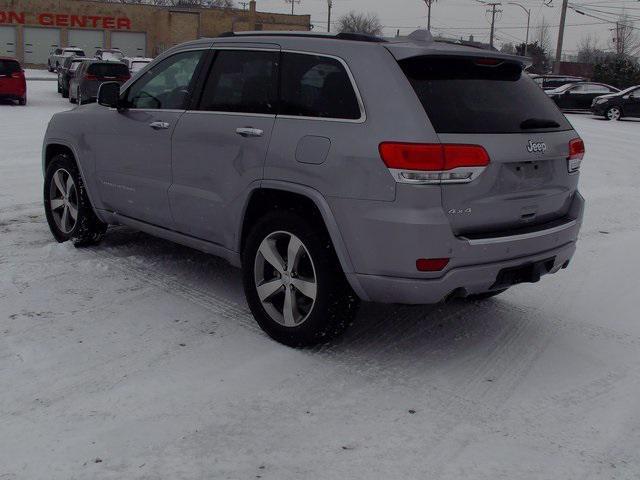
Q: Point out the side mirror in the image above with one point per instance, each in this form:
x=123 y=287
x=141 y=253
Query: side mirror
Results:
x=109 y=94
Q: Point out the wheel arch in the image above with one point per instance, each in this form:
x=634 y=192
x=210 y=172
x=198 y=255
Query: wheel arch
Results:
x=272 y=194
x=60 y=147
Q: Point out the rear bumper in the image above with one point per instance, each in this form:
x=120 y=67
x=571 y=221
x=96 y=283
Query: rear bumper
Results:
x=461 y=281
x=475 y=263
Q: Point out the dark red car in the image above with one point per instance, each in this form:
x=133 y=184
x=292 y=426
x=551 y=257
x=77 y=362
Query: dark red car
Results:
x=13 y=85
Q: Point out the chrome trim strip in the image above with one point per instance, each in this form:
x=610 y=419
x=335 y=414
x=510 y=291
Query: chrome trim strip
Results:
x=524 y=236
x=400 y=177
x=232 y=114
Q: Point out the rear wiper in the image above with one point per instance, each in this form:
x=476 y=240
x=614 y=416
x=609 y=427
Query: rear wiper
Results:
x=532 y=123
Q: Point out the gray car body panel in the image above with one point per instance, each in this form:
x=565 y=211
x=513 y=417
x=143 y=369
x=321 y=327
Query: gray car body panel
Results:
x=378 y=227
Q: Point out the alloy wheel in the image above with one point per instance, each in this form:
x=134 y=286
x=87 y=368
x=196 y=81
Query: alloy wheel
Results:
x=285 y=279
x=63 y=198
x=614 y=113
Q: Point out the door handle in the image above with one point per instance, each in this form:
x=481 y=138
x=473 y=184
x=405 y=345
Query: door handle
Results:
x=249 y=132
x=159 y=125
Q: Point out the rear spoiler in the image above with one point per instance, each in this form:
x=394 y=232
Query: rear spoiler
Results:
x=421 y=43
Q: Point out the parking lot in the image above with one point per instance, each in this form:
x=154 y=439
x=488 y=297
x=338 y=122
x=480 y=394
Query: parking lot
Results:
x=139 y=358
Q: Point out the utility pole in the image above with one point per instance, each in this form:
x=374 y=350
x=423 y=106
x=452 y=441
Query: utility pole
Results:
x=244 y=5
x=494 y=11
x=293 y=4
x=563 y=21
x=429 y=4
x=329 y=4
x=528 y=12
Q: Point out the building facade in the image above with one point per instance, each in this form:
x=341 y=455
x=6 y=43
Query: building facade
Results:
x=30 y=29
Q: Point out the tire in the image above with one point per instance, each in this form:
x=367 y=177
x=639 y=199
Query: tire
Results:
x=49 y=66
x=86 y=229
x=23 y=101
x=65 y=92
x=331 y=305
x=59 y=88
x=71 y=99
x=486 y=295
x=613 y=113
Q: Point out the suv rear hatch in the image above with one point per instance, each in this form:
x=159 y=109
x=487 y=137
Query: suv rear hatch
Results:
x=108 y=72
x=491 y=103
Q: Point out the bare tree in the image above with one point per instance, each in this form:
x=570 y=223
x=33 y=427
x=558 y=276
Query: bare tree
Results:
x=543 y=35
x=589 y=51
x=509 y=48
x=626 y=40
x=353 y=22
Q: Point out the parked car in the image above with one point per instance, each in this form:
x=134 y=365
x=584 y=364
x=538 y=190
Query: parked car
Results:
x=447 y=174
x=617 y=105
x=58 y=56
x=12 y=82
x=83 y=86
x=109 y=54
x=579 y=96
x=551 y=82
x=66 y=72
x=135 y=64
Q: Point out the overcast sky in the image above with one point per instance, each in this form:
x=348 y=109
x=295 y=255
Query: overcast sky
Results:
x=455 y=18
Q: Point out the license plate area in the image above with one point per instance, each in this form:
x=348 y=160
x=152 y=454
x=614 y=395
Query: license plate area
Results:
x=527 y=273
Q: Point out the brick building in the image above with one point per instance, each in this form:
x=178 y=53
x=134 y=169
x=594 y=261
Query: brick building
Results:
x=29 y=29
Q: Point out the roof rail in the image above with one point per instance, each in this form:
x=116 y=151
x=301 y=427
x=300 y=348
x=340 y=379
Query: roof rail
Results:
x=356 y=37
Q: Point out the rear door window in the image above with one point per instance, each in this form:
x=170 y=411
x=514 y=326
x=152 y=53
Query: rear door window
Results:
x=7 y=67
x=317 y=86
x=242 y=82
x=467 y=96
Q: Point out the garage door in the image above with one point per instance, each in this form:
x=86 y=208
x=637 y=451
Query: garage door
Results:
x=38 y=42
x=87 y=40
x=7 y=41
x=131 y=43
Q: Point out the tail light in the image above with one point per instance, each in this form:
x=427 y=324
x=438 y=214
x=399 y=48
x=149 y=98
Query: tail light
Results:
x=434 y=163
x=123 y=78
x=88 y=76
x=576 y=154
x=18 y=75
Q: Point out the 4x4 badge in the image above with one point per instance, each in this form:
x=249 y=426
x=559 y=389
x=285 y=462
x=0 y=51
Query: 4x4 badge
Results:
x=536 y=147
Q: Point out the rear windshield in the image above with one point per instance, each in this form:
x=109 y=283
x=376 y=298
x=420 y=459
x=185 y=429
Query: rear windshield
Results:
x=77 y=53
x=108 y=69
x=7 y=67
x=462 y=96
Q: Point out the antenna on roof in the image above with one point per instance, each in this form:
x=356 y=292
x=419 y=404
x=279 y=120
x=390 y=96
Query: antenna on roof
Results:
x=421 y=36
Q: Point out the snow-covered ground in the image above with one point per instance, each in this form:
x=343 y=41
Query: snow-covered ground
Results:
x=138 y=359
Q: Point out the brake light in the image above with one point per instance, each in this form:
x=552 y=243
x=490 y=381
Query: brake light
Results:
x=576 y=154
x=488 y=62
x=431 y=264
x=18 y=75
x=434 y=163
x=88 y=76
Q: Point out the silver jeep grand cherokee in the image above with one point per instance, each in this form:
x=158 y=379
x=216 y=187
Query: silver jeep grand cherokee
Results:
x=332 y=169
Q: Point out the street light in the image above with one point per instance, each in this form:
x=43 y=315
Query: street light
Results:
x=528 y=12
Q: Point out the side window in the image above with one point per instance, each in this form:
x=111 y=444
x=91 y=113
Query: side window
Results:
x=580 y=89
x=243 y=82
x=317 y=86
x=167 y=85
